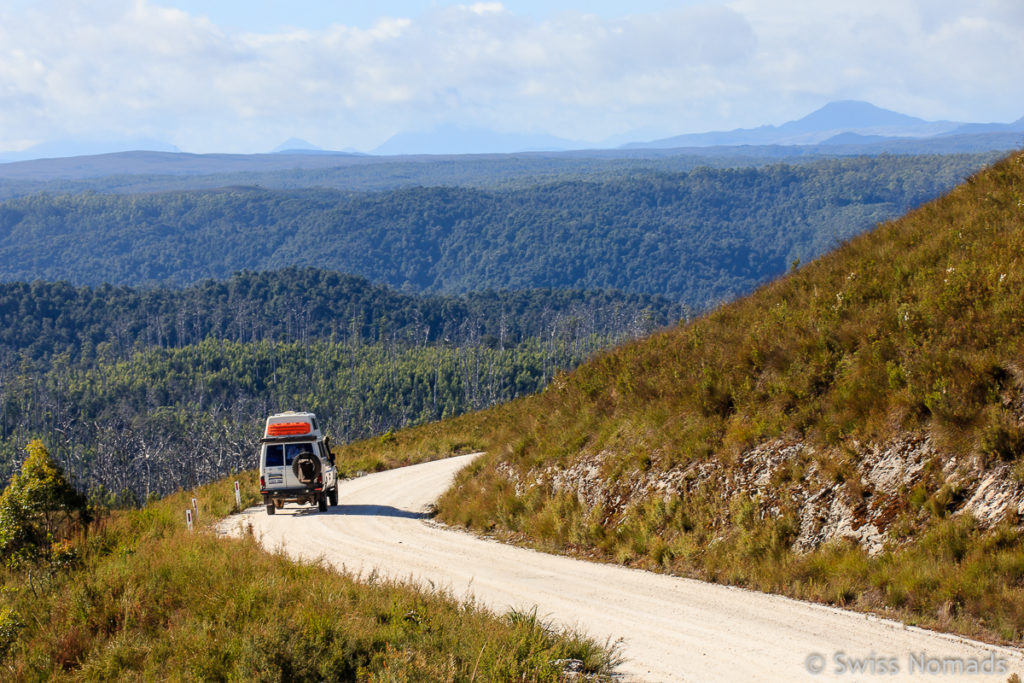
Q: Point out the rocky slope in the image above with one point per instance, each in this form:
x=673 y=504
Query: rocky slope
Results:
x=863 y=510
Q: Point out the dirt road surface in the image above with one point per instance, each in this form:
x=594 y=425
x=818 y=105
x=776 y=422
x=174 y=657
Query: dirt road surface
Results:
x=671 y=629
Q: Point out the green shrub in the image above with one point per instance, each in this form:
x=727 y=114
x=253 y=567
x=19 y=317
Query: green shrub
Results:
x=10 y=626
x=37 y=508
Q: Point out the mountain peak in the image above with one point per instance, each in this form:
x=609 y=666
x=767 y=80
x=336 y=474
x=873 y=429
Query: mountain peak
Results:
x=850 y=115
x=296 y=144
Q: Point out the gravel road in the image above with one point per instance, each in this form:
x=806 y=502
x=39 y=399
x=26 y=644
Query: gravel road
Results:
x=671 y=629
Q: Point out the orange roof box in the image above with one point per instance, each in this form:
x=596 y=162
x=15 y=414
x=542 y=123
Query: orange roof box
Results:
x=288 y=429
x=291 y=425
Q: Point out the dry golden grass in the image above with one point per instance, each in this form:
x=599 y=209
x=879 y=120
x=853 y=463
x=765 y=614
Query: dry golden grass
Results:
x=916 y=328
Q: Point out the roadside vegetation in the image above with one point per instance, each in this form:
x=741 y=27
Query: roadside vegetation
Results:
x=90 y=594
x=913 y=333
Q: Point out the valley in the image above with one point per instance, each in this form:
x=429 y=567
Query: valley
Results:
x=843 y=430
x=546 y=342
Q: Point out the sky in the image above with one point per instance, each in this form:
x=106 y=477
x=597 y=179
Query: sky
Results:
x=233 y=76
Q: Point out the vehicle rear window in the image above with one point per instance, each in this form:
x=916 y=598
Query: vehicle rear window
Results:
x=278 y=455
x=274 y=456
x=292 y=450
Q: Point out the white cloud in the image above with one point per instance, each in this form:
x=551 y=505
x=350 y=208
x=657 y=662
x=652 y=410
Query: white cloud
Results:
x=130 y=68
x=931 y=58
x=487 y=8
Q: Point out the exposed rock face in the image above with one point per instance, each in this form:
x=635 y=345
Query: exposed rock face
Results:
x=859 y=500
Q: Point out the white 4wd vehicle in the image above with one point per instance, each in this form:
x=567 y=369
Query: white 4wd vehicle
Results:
x=296 y=464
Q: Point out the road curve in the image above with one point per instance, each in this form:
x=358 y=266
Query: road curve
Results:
x=672 y=629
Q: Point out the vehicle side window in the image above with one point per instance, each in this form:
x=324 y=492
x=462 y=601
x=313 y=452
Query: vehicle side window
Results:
x=274 y=456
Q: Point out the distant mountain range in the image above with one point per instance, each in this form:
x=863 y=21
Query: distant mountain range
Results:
x=171 y=164
x=300 y=146
x=58 y=149
x=839 y=128
x=846 y=122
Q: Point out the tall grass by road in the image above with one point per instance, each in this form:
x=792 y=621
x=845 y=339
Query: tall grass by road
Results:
x=140 y=597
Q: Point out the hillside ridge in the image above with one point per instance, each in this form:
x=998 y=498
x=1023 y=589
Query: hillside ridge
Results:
x=700 y=237
x=851 y=433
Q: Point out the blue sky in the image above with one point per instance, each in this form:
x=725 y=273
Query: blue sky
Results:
x=235 y=76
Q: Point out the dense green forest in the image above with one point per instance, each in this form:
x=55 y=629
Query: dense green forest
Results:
x=143 y=390
x=139 y=172
x=698 y=237
x=41 y=319
x=159 y=419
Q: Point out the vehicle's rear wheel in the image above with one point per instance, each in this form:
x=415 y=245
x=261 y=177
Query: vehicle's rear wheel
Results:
x=321 y=502
x=333 y=495
x=270 y=508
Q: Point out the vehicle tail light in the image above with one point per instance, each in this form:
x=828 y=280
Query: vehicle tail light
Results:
x=263 y=482
x=320 y=479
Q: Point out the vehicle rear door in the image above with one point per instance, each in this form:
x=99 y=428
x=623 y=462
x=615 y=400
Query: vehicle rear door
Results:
x=273 y=466
x=292 y=451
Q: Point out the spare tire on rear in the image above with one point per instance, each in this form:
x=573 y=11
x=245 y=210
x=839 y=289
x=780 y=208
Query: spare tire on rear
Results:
x=306 y=468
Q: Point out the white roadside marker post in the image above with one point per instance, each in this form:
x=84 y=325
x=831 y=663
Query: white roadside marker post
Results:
x=195 y=509
x=238 y=497
x=188 y=519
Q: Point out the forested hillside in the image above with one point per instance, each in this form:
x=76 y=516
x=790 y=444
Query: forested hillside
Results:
x=697 y=237
x=851 y=433
x=138 y=172
x=143 y=390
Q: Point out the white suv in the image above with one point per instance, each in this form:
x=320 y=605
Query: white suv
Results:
x=296 y=463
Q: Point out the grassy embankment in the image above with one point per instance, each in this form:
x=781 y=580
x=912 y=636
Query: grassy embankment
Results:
x=913 y=331
x=142 y=598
